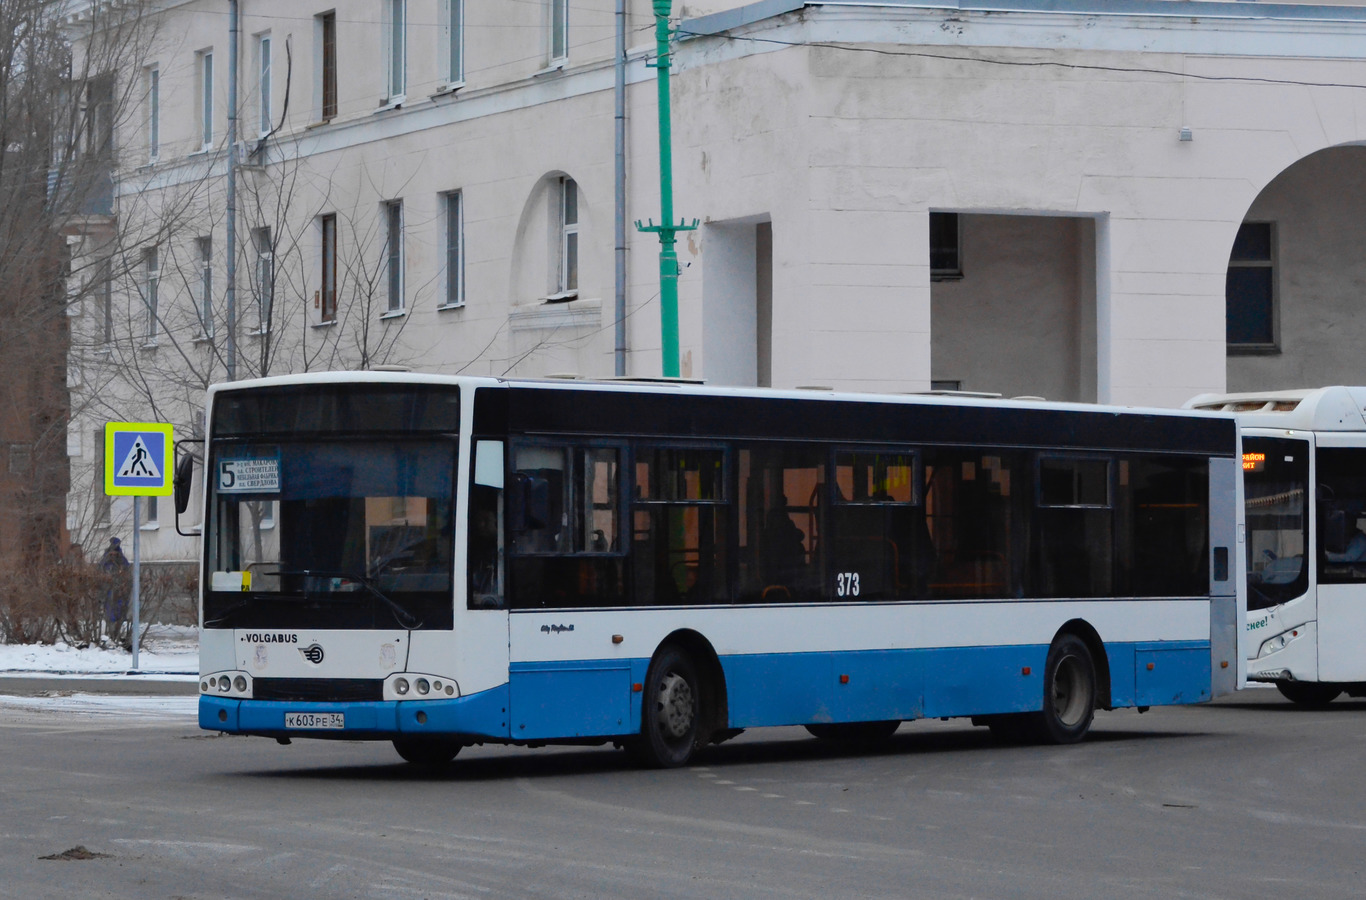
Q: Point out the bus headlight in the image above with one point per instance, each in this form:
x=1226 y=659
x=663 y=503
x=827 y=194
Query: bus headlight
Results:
x=401 y=686
x=240 y=683
x=423 y=686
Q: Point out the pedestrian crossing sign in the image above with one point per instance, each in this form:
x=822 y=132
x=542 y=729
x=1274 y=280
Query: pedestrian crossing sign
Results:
x=137 y=459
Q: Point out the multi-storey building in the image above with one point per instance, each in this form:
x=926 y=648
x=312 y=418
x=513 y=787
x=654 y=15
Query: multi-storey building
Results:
x=1132 y=201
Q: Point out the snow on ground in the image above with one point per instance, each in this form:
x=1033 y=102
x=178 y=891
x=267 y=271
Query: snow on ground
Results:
x=167 y=650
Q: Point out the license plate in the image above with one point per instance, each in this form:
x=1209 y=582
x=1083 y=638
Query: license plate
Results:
x=315 y=720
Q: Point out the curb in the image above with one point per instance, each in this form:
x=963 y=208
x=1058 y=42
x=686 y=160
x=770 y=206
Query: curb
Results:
x=159 y=684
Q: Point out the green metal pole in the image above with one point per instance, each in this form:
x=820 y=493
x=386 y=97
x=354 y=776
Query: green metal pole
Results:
x=667 y=229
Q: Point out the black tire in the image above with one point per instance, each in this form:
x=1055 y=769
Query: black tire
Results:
x=854 y=732
x=1069 y=692
x=671 y=718
x=427 y=752
x=1309 y=694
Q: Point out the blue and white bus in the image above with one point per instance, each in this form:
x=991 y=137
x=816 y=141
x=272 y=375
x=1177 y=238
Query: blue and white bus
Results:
x=447 y=561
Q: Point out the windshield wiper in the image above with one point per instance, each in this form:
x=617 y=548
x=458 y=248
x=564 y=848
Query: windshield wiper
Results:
x=227 y=614
x=401 y=615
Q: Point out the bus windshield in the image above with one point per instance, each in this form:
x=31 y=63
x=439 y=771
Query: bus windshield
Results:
x=331 y=533
x=1276 y=481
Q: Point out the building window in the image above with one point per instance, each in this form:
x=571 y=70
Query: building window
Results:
x=153 y=113
x=327 y=305
x=559 y=32
x=263 y=73
x=151 y=282
x=453 y=41
x=206 y=100
x=149 y=512
x=567 y=278
x=946 y=264
x=397 y=49
x=393 y=253
x=99 y=116
x=204 y=255
x=327 y=65
x=265 y=277
x=1250 y=289
x=455 y=250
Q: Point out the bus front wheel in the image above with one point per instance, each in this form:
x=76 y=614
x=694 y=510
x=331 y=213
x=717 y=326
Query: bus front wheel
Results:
x=1069 y=691
x=672 y=715
x=1308 y=694
x=426 y=752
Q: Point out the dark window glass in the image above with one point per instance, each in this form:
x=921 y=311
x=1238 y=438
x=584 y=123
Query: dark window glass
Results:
x=1249 y=288
x=977 y=505
x=1253 y=243
x=331 y=534
x=1162 y=525
x=1074 y=539
x=329 y=67
x=1066 y=481
x=340 y=408
x=881 y=548
x=945 y=260
x=565 y=520
x=781 y=491
x=1248 y=292
x=679 y=532
x=1275 y=485
x=1342 y=515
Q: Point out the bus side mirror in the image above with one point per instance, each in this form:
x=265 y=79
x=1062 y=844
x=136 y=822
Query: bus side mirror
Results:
x=184 y=477
x=529 y=506
x=1335 y=535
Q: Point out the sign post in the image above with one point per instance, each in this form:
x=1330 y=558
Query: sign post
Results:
x=137 y=463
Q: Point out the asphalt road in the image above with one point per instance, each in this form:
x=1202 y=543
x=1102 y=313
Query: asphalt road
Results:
x=1247 y=798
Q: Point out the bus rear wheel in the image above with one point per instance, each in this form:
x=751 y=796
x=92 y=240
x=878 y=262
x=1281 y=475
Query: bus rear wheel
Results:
x=671 y=726
x=854 y=732
x=1069 y=692
x=1308 y=694
x=429 y=753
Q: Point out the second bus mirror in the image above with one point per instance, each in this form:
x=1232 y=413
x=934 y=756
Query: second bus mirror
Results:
x=184 y=477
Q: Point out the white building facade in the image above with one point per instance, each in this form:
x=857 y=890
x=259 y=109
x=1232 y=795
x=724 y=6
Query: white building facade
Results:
x=1132 y=201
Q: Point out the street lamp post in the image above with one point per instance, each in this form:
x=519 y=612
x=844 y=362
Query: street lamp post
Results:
x=667 y=229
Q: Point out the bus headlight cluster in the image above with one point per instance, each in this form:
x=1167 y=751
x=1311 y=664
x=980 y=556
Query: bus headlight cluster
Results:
x=226 y=684
x=1278 y=642
x=424 y=686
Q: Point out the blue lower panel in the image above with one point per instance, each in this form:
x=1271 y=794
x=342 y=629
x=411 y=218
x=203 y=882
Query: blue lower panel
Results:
x=570 y=700
x=482 y=715
x=595 y=698
x=1171 y=673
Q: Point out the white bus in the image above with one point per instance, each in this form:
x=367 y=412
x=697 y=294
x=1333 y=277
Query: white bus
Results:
x=446 y=561
x=1304 y=472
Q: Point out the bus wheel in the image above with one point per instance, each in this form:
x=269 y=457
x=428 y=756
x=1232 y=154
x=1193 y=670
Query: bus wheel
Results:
x=854 y=732
x=1308 y=694
x=671 y=727
x=1069 y=692
x=426 y=752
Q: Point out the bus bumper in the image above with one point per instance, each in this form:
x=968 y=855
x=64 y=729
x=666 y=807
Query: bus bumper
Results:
x=481 y=716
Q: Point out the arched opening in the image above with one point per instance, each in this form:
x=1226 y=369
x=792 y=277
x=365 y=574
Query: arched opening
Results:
x=1296 y=284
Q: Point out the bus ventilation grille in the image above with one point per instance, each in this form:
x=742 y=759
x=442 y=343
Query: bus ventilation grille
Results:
x=335 y=690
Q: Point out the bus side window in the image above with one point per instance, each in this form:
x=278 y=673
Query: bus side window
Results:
x=1342 y=515
x=882 y=548
x=781 y=489
x=679 y=526
x=485 y=539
